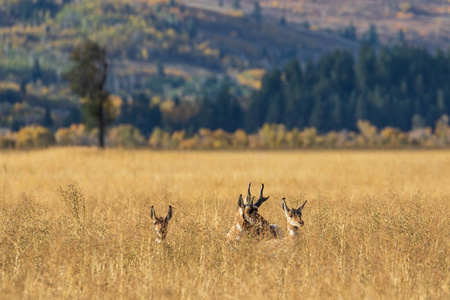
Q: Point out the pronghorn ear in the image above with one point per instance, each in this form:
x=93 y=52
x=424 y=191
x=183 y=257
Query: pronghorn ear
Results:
x=169 y=214
x=152 y=213
x=241 y=201
x=300 y=207
x=284 y=206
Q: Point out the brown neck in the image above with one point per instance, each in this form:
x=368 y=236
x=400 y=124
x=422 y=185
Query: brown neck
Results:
x=262 y=222
x=159 y=239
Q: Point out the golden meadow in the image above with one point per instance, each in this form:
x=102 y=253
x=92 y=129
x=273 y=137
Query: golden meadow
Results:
x=75 y=223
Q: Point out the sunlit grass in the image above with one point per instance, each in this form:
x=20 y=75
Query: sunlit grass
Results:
x=376 y=224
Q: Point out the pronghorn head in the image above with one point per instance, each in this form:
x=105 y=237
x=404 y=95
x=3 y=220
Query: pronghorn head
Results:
x=161 y=224
x=249 y=210
x=293 y=215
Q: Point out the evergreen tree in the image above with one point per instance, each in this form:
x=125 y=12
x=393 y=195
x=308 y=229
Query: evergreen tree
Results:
x=205 y=117
x=365 y=67
x=191 y=27
x=275 y=112
x=222 y=110
x=48 y=121
x=322 y=93
x=305 y=24
x=371 y=35
x=87 y=79
x=237 y=116
x=23 y=88
x=263 y=99
x=139 y=112
x=293 y=95
x=160 y=68
x=256 y=11
x=350 y=32
x=401 y=36
x=362 y=109
x=317 y=118
x=36 y=72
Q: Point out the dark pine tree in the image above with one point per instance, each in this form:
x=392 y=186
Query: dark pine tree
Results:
x=87 y=79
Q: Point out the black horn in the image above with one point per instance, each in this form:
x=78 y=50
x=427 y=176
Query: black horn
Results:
x=261 y=199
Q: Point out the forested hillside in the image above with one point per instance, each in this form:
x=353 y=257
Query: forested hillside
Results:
x=401 y=86
x=190 y=47
x=176 y=65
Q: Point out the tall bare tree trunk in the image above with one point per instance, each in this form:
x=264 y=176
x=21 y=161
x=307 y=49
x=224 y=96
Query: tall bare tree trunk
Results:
x=101 y=127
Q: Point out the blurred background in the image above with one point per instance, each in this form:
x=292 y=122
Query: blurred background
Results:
x=224 y=73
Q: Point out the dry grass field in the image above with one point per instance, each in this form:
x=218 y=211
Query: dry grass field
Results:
x=377 y=225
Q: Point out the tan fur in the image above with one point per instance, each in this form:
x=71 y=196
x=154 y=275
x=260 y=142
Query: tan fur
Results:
x=248 y=222
x=161 y=225
x=294 y=222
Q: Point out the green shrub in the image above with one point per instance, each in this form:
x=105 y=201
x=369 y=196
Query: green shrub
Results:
x=7 y=142
x=125 y=136
x=32 y=137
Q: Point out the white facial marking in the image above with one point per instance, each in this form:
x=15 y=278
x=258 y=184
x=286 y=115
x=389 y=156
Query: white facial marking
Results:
x=158 y=240
x=239 y=228
x=247 y=219
x=293 y=223
x=292 y=232
x=241 y=211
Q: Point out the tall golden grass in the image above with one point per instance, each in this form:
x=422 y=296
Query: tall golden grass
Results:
x=75 y=223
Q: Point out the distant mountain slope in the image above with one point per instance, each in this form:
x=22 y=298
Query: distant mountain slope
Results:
x=262 y=42
x=425 y=22
x=138 y=34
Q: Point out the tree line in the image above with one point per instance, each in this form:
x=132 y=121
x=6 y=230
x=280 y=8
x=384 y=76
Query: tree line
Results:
x=269 y=136
x=400 y=86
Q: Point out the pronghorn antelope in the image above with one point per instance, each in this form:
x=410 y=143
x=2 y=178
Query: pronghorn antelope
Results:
x=248 y=221
x=161 y=224
x=293 y=217
x=294 y=222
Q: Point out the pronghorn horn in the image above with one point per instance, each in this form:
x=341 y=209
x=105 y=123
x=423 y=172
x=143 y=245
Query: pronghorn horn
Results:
x=249 y=195
x=300 y=207
x=261 y=199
